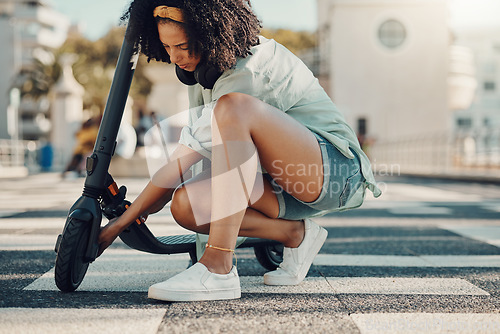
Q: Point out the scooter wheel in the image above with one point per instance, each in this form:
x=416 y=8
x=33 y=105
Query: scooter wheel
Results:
x=70 y=265
x=269 y=256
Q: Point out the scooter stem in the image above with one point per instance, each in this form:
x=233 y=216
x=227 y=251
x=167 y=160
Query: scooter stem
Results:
x=98 y=162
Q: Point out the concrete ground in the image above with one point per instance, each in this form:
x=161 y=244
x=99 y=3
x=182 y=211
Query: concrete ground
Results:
x=424 y=257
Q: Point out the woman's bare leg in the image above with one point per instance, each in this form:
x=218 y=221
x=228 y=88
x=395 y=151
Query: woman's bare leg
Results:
x=192 y=203
x=287 y=150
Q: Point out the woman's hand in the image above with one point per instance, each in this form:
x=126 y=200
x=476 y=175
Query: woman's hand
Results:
x=107 y=236
x=153 y=197
x=109 y=233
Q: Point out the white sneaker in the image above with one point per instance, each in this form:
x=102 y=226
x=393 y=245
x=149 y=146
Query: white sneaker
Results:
x=297 y=261
x=197 y=283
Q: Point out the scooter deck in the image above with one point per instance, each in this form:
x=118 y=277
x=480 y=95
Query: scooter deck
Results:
x=138 y=236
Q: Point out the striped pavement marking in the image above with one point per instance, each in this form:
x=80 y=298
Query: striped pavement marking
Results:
x=4 y=213
x=487 y=234
x=12 y=242
x=24 y=224
x=255 y=284
x=21 y=233
x=368 y=285
x=78 y=321
x=421 y=211
x=397 y=192
x=404 y=286
x=490 y=261
x=122 y=270
x=128 y=270
x=491 y=206
x=403 y=323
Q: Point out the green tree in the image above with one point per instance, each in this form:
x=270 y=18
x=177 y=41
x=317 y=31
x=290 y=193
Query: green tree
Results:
x=95 y=67
x=35 y=81
x=295 y=41
x=96 y=63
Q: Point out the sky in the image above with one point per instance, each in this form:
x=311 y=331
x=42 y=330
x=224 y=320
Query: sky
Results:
x=97 y=16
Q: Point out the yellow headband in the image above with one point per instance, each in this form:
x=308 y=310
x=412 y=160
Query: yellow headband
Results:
x=166 y=12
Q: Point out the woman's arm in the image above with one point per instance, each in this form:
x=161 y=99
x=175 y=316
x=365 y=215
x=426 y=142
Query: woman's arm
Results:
x=160 y=204
x=159 y=189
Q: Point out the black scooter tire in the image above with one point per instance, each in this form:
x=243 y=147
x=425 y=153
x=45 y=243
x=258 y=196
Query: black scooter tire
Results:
x=70 y=268
x=269 y=256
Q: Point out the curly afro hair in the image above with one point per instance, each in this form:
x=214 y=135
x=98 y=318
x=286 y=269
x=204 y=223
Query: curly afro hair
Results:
x=218 y=30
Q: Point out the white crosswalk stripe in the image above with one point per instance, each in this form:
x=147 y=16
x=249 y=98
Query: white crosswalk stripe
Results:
x=77 y=321
x=122 y=270
x=389 y=323
x=404 y=285
x=487 y=234
x=441 y=261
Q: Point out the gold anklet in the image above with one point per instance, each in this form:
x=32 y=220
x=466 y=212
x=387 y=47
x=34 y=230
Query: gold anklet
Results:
x=224 y=250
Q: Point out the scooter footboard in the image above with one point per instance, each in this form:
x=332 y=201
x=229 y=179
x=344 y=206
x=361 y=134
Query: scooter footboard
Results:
x=138 y=236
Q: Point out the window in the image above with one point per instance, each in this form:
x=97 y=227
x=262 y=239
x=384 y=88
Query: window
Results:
x=489 y=86
x=362 y=130
x=392 y=34
x=361 y=126
x=464 y=123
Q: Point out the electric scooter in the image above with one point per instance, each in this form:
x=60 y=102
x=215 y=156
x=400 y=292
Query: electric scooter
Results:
x=77 y=246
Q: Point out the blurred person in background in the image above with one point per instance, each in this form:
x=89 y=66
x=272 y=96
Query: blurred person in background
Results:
x=85 y=138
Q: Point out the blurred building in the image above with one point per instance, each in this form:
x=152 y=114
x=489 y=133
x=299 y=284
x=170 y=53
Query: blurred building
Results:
x=29 y=31
x=387 y=65
x=484 y=113
x=479 y=124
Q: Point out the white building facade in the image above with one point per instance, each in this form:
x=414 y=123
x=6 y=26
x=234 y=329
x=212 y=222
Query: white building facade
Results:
x=29 y=30
x=392 y=68
x=484 y=113
x=479 y=124
x=387 y=62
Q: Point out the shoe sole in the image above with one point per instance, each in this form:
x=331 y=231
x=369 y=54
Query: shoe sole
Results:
x=294 y=280
x=187 y=296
